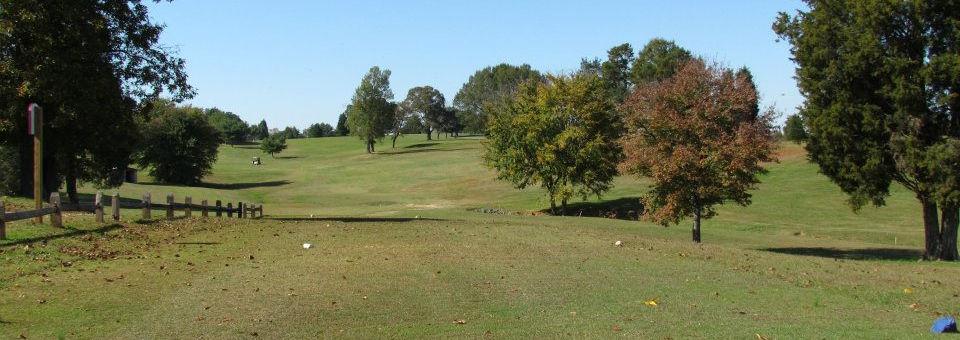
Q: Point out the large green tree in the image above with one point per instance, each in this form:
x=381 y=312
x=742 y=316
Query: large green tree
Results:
x=233 y=129
x=793 y=129
x=371 y=111
x=274 y=144
x=560 y=135
x=487 y=91
x=342 y=128
x=427 y=103
x=260 y=131
x=697 y=136
x=89 y=64
x=882 y=86
x=658 y=60
x=319 y=130
x=615 y=72
x=179 y=145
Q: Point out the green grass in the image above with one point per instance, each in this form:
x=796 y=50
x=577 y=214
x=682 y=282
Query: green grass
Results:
x=795 y=264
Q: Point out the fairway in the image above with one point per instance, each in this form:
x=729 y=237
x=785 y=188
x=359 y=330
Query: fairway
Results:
x=421 y=241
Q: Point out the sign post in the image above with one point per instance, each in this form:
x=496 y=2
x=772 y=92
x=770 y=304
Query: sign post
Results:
x=35 y=128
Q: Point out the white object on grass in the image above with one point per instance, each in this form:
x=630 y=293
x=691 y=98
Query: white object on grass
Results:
x=618 y=243
x=307 y=246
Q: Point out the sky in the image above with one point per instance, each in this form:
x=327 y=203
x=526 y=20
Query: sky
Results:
x=298 y=62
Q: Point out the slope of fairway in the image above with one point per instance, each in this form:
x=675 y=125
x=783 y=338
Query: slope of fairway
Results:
x=401 y=251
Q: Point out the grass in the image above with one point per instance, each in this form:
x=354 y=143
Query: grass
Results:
x=411 y=240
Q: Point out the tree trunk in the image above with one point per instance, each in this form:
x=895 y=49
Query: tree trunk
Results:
x=372 y=148
x=931 y=230
x=72 y=187
x=429 y=132
x=696 y=225
x=563 y=207
x=395 y=140
x=948 y=232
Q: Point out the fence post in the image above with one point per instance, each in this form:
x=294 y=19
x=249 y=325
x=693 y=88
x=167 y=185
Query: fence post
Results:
x=146 y=206
x=261 y=211
x=115 y=206
x=169 y=206
x=3 y=225
x=56 y=219
x=187 y=201
x=219 y=208
x=240 y=210
x=229 y=209
x=203 y=208
x=98 y=206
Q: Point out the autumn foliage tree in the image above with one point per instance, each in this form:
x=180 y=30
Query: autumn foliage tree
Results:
x=698 y=137
x=560 y=134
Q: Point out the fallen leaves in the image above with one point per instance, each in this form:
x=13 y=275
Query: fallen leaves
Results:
x=651 y=303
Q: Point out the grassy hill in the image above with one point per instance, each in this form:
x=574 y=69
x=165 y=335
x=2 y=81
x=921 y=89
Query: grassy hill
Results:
x=412 y=240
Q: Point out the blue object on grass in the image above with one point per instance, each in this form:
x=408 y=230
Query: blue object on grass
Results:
x=945 y=324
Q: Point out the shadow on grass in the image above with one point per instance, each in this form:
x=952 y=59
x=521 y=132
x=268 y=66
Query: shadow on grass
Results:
x=240 y=186
x=351 y=219
x=895 y=254
x=69 y=232
x=626 y=208
x=198 y=243
x=420 y=145
x=394 y=153
x=288 y=157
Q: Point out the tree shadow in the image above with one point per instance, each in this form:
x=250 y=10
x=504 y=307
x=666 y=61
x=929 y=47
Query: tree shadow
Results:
x=198 y=243
x=626 y=208
x=394 y=153
x=892 y=254
x=287 y=157
x=239 y=186
x=70 y=232
x=351 y=219
x=420 y=145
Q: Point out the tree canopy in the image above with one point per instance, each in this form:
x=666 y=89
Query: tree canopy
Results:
x=427 y=103
x=233 y=129
x=179 y=145
x=793 y=129
x=342 y=128
x=371 y=111
x=319 y=130
x=658 y=60
x=261 y=131
x=615 y=72
x=560 y=134
x=274 y=144
x=488 y=90
x=882 y=86
x=85 y=62
x=697 y=137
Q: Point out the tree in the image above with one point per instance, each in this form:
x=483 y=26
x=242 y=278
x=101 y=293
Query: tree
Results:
x=342 y=128
x=615 y=72
x=793 y=129
x=291 y=132
x=371 y=111
x=488 y=90
x=261 y=131
x=179 y=145
x=85 y=62
x=561 y=135
x=397 y=120
x=233 y=129
x=882 y=86
x=695 y=135
x=658 y=60
x=273 y=144
x=319 y=130
x=9 y=171
x=427 y=103
x=449 y=122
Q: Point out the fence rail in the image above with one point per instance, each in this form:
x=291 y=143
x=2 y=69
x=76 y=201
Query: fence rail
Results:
x=56 y=209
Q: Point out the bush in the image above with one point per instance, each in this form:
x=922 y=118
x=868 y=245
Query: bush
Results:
x=274 y=144
x=179 y=146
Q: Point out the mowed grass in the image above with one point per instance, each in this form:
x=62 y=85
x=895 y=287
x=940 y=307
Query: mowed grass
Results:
x=400 y=251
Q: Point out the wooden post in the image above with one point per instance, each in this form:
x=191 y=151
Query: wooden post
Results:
x=98 y=206
x=261 y=211
x=229 y=209
x=219 y=208
x=169 y=206
x=115 y=206
x=57 y=218
x=239 y=209
x=3 y=225
x=35 y=123
x=187 y=201
x=203 y=208
x=146 y=206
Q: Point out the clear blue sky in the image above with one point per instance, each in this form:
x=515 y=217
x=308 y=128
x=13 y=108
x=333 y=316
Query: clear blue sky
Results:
x=298 y=62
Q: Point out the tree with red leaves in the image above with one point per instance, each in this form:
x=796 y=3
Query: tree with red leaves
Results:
x=699 y=136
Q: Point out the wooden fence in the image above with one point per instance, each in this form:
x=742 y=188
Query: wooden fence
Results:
x=56 y=208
